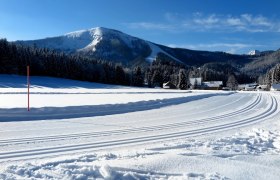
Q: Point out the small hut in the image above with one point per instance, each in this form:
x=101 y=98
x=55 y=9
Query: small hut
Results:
x=169 y=85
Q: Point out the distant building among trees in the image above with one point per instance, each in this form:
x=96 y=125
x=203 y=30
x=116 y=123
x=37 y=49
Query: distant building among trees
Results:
x=169 y=85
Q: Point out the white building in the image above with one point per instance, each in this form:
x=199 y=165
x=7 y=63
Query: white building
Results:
x=247 y=87
x=196 y=81
x=168 y=85
x=212 y=85
x=275 y=87
x=262 y=87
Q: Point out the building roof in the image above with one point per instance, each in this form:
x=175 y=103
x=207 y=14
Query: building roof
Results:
x=213 y=83
x=169 y=85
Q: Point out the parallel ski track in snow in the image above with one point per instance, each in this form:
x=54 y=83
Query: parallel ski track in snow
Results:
x=269 y=111
x=131 y=130
x=135 y=130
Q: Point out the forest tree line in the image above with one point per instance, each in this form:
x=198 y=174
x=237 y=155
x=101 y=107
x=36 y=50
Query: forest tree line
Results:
x=272 y=76
x=44 y=62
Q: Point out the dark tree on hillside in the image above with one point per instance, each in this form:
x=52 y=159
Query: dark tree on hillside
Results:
x=268 y=77
x=272 y=76
x=44 y=62
x=137 y=77
x=244 y=78
x=182 y=79
x=148 y=77
x=120 y=75
x=166 y=76
x=157 y=79
x=276 y=74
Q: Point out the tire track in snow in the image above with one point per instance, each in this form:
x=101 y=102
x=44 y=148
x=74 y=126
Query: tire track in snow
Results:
x=270 y=110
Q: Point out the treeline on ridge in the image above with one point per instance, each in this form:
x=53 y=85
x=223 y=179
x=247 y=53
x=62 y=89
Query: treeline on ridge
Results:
x=44 y=62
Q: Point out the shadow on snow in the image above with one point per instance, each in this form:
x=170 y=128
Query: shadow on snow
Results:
x=21 y=114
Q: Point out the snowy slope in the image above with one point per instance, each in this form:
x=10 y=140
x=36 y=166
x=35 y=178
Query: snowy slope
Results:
x=55 y=92
x=71 y=42
x=155 y=51
x=171 y=134
x=102 y=43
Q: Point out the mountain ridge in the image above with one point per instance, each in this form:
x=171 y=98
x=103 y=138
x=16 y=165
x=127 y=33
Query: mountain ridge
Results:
x=102 y=43
x=114 y=45
x=118 y=47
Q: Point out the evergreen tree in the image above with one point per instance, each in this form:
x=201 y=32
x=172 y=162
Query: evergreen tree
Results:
x=148 y=77
x=137 y=77
x=195 y=86
x=182 y=79
x=157 y=79
x=44 y=62
x=119 y=75
x=276 y=74
x=166 y=75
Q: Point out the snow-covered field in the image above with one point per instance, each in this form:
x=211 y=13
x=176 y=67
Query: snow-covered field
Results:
x=80 y=130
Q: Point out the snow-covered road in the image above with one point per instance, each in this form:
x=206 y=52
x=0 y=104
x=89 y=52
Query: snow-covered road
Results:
x=145 y=118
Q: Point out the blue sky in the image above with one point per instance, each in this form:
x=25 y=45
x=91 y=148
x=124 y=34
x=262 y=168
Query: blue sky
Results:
x=234 y=26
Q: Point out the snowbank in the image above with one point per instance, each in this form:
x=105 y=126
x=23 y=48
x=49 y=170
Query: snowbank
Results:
x=82 y=168
x=114 y=166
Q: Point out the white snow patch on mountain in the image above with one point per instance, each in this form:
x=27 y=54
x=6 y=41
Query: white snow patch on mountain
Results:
x=96 y=34
x=75 y=34
x=155 y=50
x=73 y=41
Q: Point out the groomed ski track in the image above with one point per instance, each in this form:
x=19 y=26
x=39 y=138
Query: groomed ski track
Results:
x=215 y=113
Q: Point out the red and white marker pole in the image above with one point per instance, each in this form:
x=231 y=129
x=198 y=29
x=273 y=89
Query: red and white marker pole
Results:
x=28 y=86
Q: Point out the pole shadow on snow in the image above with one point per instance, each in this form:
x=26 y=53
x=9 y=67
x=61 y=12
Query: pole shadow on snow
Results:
x=47 y=113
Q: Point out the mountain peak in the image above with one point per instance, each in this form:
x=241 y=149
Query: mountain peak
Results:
x=104 y=43
x=93 y=31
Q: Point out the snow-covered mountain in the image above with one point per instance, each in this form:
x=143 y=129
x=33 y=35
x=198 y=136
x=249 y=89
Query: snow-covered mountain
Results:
x=260 y=53
x=116 y=46
x=103 y=43
x=254 y=53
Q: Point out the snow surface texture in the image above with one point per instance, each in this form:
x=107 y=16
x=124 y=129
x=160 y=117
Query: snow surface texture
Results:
x=170 y=135
x=256 y=141
x=82 y=169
